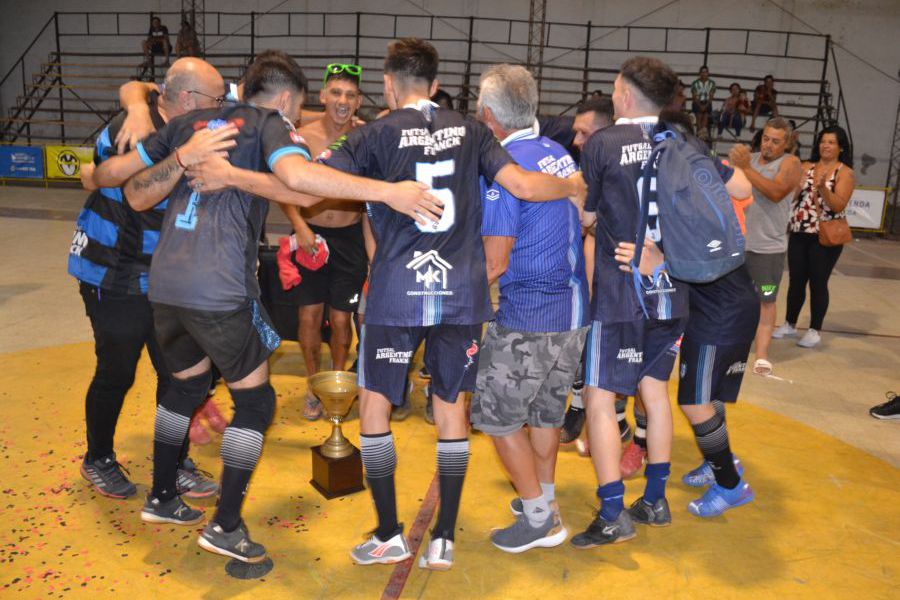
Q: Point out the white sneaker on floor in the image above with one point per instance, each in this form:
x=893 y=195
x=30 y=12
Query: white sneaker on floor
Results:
x=438 y=556
x=783 y=330
x=810 y=339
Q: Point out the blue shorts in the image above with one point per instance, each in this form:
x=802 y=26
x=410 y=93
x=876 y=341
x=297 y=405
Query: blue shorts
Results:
x=711 y=372
x=451 y=356
x=619 y=355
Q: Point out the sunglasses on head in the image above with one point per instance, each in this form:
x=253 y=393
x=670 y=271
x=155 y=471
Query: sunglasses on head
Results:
x=337 y=68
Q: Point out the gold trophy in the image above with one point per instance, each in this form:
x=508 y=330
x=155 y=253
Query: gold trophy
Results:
x=337 y=464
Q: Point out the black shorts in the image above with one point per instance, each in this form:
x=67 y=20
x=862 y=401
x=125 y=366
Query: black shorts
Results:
x=237 y=341
x=339 y=283
x=711 y=372
x=451 y=356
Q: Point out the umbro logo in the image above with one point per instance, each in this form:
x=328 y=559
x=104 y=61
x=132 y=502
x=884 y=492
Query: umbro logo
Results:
x=492 y=194
x=714 y=246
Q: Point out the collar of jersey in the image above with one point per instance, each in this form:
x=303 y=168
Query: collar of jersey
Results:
x=521 y=134
x=637 y=120
x=421 y=103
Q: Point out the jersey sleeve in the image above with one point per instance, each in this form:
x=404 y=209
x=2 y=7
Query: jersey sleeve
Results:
x=491 y=155
x=278 y=139
x=158 y=146
x=349 y=153
x=592 y=169
x=501 y=211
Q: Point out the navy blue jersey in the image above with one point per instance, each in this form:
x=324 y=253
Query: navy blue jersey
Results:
x=544 y=289
x=559 y=129
x=207 y=253
x=724 y=311
x=421 y=275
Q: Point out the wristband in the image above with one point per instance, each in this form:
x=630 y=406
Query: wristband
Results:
x=178 y=160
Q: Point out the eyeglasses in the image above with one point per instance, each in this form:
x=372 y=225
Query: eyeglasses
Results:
x=337 y=68
x=220 y=100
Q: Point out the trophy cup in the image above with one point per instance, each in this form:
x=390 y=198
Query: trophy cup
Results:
x=336 y=463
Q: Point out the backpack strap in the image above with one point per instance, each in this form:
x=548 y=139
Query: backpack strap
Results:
x=642 y=224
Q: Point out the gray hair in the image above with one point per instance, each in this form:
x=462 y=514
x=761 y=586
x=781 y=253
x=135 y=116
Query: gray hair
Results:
x=511 y=94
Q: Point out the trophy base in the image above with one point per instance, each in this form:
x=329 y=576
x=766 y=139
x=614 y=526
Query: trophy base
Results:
x=335 y=477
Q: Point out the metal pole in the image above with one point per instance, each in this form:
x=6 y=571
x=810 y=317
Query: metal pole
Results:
x=464 y=101
x=252 y=35
x=587 y=61
x=822 y=87
x=358 y=33
x=706 y=48
x=62 y=115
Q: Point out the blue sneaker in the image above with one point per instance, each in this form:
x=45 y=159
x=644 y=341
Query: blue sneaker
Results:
x=703 y=475
x=717 y=500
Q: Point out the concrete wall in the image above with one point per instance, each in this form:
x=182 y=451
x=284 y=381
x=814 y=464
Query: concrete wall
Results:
x=867 y=27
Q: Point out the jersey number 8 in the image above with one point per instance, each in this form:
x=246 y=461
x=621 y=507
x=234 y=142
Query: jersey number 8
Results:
x=426 y=173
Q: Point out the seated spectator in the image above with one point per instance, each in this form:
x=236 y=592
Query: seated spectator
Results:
x=187 y=43
x=157 y=41
x=678 y=99
x=443 y=99
x=734 y=109
x=765 y=100
x=702 y=92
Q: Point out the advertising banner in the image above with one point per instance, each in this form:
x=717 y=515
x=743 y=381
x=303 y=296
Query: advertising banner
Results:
x=21 y=162
x=64 y=162
x=866 y=208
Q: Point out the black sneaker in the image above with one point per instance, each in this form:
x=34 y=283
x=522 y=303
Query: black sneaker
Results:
x=601 y=532
x=887 y=410
x=235 y=544
x=429 y=405
x=193 y=482
x=657 y=515
x=175 y=511
x=107 y=477
x=572 y=426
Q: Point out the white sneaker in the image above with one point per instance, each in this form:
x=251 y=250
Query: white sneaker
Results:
x=438 y=556
x=810 y=338
x=783 y=330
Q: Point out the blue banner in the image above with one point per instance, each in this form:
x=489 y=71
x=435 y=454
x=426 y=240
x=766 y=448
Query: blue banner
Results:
x=22 y=162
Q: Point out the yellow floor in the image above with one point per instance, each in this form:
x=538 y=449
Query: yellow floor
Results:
x=826 y=522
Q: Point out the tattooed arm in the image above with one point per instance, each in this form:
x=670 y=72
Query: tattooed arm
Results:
x=149 y=187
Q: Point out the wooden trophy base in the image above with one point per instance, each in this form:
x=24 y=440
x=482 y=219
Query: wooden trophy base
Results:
x=335 y=477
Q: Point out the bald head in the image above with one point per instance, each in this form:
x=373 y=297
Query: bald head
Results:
x=192 y=83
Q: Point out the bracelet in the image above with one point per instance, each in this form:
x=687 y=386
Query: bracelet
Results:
x=178 y=160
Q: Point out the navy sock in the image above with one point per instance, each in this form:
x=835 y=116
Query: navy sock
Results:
x=612 y=499
x=657 y=474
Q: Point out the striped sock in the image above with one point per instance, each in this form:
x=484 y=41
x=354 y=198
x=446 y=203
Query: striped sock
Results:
x=240 y=452
x=380 y=459
x=656 y=474
x=712 y=439
x=624 y=429
x=453 y=460
x=612 y=499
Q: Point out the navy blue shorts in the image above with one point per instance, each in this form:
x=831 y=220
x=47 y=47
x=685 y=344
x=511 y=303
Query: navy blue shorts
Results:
x=619 y=355
x=451 y=356
x=711 y=372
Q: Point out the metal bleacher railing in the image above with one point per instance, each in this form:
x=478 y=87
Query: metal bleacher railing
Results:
x=78 y=60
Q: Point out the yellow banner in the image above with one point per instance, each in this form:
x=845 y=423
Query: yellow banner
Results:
x=64 y=162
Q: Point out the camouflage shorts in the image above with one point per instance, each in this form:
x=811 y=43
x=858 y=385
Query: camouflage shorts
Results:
x=524 y=378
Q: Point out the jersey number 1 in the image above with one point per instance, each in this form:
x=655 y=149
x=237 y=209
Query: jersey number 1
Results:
x=188 y=219
x=426 y=173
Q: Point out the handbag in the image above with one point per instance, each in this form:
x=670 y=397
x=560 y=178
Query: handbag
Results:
x=833 y=232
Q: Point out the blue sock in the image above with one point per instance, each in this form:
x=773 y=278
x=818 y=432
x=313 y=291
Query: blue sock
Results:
x=612 y=499
x=657 y=474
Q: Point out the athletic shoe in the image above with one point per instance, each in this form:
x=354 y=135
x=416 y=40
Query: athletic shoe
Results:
x=194 y=483
x=198 y=433
x=703 y=475
x=374 y=551
x=438 y=556
x=107 y=477
x=810 y=339
x=423 y=373
x=717 y=500
x=572 y=425
x=889 y=409
x=400 y=413
x=522 y=536
x=601 y=532
x=175 y=511
x=235 y=544
x=657 y=515
x=312 y=409
x=784 y=330
x=429 y=405
x=214 y=418
x=633 y=458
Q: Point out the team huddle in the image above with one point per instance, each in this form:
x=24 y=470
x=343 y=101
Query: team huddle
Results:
x=443 y=205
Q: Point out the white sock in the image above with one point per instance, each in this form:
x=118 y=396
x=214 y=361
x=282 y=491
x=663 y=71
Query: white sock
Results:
x=537 y=510
x=549 y=490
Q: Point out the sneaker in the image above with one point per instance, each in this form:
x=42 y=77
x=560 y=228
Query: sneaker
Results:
x=429 y=405
x=657 y=515
x=601 y=532
x=633 y=458
x=312 y=409
x=784 y=330
x=810 y=339
x=717 y=500
x=400 y=413
x=572 y=426
x=194 y=483
x=215 y=419
x=175 y=511
x=198 y=433
x=374 y=551
x=438 y=556
x=423 y=373
x=107 y=477
x=889 y=409
x=235 y=544
x=522 y=536
x=703 y=475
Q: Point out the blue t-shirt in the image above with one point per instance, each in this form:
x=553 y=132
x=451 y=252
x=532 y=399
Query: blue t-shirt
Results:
x=545 y=288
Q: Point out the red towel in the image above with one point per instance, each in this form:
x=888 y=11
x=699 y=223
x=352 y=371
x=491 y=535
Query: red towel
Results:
x=287 y=270
x=317 y=259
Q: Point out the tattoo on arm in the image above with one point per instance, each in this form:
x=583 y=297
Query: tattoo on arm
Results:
x=165 y=174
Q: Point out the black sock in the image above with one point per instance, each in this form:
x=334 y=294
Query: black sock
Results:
x=624 y=429
x=380 y=459
x=712 y=438
x=453 y=460
x=719 y=406
x=234 y=487
x=167 y=445
x=640 y=429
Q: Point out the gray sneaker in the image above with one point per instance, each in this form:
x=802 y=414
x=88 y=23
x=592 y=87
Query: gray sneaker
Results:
x=194 y=483
x=657 y=515
x=108 y=477
x=601 y=531
x=175 y=511
x=235 y=544
x=521 y=536
x=374 y=551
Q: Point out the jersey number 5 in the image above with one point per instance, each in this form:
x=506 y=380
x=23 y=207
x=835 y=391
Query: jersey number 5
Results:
x=426 y=173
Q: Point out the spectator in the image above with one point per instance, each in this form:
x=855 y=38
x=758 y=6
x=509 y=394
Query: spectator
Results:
x=824 y=193
x=157 y=41
x=443 y=99
x=596 y=95
x=734 y=109
x=187 y=43
x=702 y=92
x=764 y=100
